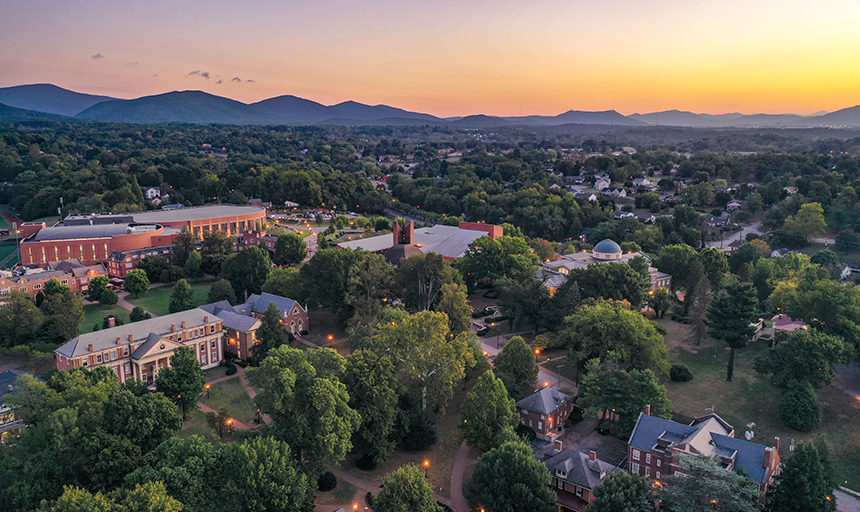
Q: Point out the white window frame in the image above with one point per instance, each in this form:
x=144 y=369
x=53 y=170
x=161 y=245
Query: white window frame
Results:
x=635 y=454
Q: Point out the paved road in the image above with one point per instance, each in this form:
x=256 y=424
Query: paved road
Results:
x=752 y=228
x=846 y=502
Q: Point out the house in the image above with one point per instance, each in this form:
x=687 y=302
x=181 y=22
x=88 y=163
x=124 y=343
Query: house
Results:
x=292 y=314
x=790 y=190
x=584 y=234
x=574 y=477
x=554 y=187
x=545 y=411
x=601 y=183
x=10 y=423
x=623 y=215
x=614 y=192
x=646 y=218
x=588 y=197
x=642 y=183
x=777 y=253
x=71 y=273
x=656 y=443
x=736 y=205
x=721 y=220
x=152 y=193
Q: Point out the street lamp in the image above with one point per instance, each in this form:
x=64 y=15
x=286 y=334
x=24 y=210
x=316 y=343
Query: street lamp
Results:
x=330 y=337
x=207 y=391
x=537 y=352
x=229 y=425
x=426 y=468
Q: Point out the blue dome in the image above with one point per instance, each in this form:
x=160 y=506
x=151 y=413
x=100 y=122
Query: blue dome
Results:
x=607 y=247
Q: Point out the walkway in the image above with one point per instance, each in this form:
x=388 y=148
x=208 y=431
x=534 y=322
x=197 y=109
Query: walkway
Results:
x=128 y=305
x=458 y=501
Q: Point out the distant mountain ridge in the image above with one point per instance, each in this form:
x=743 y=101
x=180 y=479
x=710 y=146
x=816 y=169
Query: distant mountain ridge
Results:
x=198 y=107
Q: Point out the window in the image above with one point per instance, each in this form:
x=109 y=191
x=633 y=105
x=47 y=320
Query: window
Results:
x=523 y=421
x=203 y=359
x=124 y=351
x=213 y=344
x=127 y=368
x=37 y=286
x=202 y=347
x=635 y=454
x=657 y=475
x=647 y=458
x=647 y=472
x=658 y=462
x=540 y=425
x=634 y=468
x=530 y=423
x=579 y=491
x=64 y=281
x=98 y=358
x=86 y=362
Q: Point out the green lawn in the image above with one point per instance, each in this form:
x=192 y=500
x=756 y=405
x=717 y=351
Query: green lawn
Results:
x=340 y=496
x=751 y=398
x=196 y=425
x=322 y=325
x=5 y=250
x=94 y=314
x=157 y=300
x=231 y=394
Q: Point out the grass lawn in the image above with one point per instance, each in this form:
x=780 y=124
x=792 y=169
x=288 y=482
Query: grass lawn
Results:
x=196 y=425
x=564 y=366
x=340 y=496
x=94 y=314
x=751 y=398
x=215 y=373
x=323 y=324
x=157 y=300
x=231 y=394
x=5 y=250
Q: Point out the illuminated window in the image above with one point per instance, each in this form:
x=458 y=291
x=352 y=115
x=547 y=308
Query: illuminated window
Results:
x=56 y=253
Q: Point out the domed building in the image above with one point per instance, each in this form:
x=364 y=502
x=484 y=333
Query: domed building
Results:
x=607 y=250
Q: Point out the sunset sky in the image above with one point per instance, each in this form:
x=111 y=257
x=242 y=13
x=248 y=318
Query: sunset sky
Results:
x=447 y=57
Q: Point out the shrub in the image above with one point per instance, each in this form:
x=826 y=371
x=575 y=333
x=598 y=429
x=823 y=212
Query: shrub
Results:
x=800 y=408
x=524 y=431
x=366 y=463
x=327 y=481
x=231 y=368
x=680 y=373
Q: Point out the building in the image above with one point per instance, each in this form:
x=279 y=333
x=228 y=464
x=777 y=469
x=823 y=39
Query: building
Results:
x=139 y=349
x=574 y=477
x=450 y=242
x=120 y=263
x=93 y=238
x=605 y=251
x=10 y=423
x=656 y=443
x=545 y=411
x=71 y=273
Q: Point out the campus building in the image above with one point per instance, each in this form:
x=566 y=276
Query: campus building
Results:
x=450 y=242
x=71 y=273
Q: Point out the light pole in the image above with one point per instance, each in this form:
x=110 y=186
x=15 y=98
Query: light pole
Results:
x=207 y=391
x=330 y=337
x=426 y=468
x=537 y=353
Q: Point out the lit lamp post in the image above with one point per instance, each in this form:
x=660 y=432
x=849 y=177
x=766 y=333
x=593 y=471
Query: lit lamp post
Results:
x=229 y=425
x=537 y=353
x=207 y=391
x=330 y=337
x=355 y=506
x=426 y=468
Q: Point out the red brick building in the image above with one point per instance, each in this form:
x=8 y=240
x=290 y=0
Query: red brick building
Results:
x=72 y=274
x=545 y=412
x=574 y=477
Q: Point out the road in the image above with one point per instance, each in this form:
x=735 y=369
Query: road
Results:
x=740 y=235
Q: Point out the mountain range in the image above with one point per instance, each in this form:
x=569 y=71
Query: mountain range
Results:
x=47 y=101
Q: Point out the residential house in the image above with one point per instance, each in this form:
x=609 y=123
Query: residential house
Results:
x=642 y=183
x=10 y=423
x=721 y=220
x=601 y=183
x=588 y=197
x=623 y=215
x=545 y=411
x=574 y=477
x=614 y=192
x=790 y=190
x=584 y=235
x=646 y=218
x=291 y=313
x=736 y=204
x=656 y=444
x=240 y=331
x=777 y=253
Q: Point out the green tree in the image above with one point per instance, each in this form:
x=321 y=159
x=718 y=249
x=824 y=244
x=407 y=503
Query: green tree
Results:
x=371 y=381
x=615 y=281
x=63 y=315
x=97 y=286
x=146 y=497
x=488 y=414
x=326 y=279
x=222 y=290
x=286 y=282
x=609 y=330
x=805 y=354
x=154 y=266
x=270 y=478
x=290 y=249
x=108 y=298
x=370 y=284
x=137 y=314
x=247 y=270
x=523 y=300
x=182 y=298
x=676 y=260
x=454 y=302
x=183 y=245
x=660 y=301
x=510 y=479
x=491 y=259
x=626 y=393
x=421 y=278
x=703 y=485
x=800 y=408
x=147 y=421
x=217 y=243
x=622 y=492
x=136 y=282
x=310 y=413
x=805 y=482
x=193 y=265
x=729 y=319
x=715 y=265
x=20 y=319
x=271 y=333
x=516 y=366
x=182 y=382
x=406 y=489
x=808 y=222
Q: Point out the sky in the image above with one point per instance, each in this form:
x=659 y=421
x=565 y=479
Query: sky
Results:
x=449 y=58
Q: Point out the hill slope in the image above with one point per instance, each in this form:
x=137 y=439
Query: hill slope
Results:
x=195 y=107
x=48 y=98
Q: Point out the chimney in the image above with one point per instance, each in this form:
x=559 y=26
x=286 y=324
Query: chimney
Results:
x=205 y=319
x=183 y=324
x=768 y=456
x=90 y=347
x=648 y=410
x=130 y=338
x=592 y=455
x=111 y=322
x=396 y=229
x=557 y=444
x=172 y=327
x=118 y=340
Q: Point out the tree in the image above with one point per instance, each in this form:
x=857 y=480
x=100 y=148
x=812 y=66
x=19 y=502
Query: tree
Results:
x=715 y=265
x=146 y=420
x=615 y=281
x=183 y=245
x=702 y=485
x=454 y=302
x=729 y=317
x=824 y=304
x=523 y=300
x=286 y=282
x=182 y=298
x=493 y=258
x=429 y=356
x=660 y=301
x=609 y=330
x=371 y=381
x=20 y=319
x=805 y=482
x=310 y=413
x=149 y=496
x=154 y=266
x=247 y=270
x=108 y=298
x=217 y=243
x=516 y=365
x=676 y=260
x=406 y=489
x=97 y=286
x=270 y=478
x=221 y=290
x=805 y=354
x=290 y=249
x=510 y=479
x=369 y=286
x=137 y=314
x=808 y=222
x=626 y=393
x=800 y=408
x=182 y=382
x=271 y=333
x=326 y=279
x=136 y=282
x=622 y=492
x=63 y=315
x=488 y=413
x=193 y=265
x=421 y=279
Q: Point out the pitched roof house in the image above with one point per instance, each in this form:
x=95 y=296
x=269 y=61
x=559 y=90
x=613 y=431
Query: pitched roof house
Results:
x=545 y=411
x=574 y=477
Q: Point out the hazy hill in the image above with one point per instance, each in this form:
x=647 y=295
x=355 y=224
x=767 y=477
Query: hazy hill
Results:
x=195 y=107
x=845 y=117
x=362 y=112
x=294 y=110
x=480 y=121
x=8 y=113
x=48 y=98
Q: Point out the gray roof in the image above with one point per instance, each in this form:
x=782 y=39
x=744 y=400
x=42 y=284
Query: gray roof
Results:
x=259 y=303
x=76 y=232
x=449 y=241
x=212 y=211
x=749 y=456
x=139 y=331
x=579 y=469
x=238 y=322
x=8 y=378
x=48 y=274
x=544 y=401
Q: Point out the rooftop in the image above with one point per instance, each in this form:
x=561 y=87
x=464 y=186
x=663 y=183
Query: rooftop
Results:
x=544 y=401
x=172 y=215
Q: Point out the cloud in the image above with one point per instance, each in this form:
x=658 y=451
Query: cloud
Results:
x=132 y=63
x=97 y=56
x=220 y=82
x=251 y=81
x=236 y=79
x=154 y=76
x=204 y=74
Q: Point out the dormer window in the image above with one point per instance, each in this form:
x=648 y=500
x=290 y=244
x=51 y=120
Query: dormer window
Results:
x=561 y=473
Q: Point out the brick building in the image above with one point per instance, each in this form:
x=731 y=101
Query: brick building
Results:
x=545 y=411
x=73 y=274
x=574 y=477
x=450 y=242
